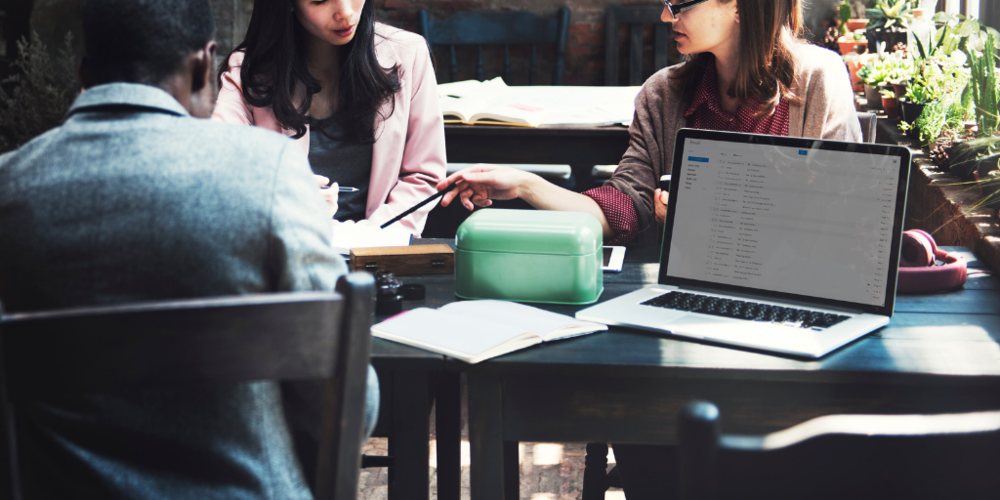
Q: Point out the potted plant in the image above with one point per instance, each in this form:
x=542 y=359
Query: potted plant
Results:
x=874 y=74
x=852 y=42
x=857 y=20
x=888 y=24
x=891 y=104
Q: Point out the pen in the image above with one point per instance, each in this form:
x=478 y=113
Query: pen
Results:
x=344 y=189
x=418 y=205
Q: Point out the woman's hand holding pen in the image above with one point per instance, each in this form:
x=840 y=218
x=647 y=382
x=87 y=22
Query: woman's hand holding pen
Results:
x=329 y=195
x=480 y=184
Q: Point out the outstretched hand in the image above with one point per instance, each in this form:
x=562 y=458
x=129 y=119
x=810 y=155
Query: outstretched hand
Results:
x=479 y=185
x=660 y=199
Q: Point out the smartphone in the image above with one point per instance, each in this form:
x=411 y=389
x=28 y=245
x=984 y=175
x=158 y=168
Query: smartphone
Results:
x=614 y=257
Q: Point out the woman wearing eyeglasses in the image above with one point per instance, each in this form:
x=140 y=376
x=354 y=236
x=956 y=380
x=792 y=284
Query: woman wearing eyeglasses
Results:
x=744 y=71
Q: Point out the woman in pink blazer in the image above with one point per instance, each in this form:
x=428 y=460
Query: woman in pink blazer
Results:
x=327 y=66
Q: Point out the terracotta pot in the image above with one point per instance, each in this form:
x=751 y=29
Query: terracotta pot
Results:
x=856 y=24
x=873 y=97
x=891 y=105
x=899 y=89
x=853 y=67
x=848 y=45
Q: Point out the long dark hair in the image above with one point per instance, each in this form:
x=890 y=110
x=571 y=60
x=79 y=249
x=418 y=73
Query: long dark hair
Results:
x=274 y=64
x=768 y=31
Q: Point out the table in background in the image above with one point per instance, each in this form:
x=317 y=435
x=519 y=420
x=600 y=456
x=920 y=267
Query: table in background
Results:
x=579 y=147
x=939 y=354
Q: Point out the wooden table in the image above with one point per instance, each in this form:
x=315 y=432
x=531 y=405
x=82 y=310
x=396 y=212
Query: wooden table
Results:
x=579 y=147
x=940 y=353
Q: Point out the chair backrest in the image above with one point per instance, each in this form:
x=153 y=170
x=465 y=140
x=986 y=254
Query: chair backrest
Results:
x=868 y=123
x=500 y=28
x=842 y=456
x=635 y=17
x=206 y=341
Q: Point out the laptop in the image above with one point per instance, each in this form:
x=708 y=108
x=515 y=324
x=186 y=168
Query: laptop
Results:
x=778 y=244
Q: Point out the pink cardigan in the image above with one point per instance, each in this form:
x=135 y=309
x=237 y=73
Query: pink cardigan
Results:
x=408 y=157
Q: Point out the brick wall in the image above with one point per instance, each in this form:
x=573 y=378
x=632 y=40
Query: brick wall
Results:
x=584 y=53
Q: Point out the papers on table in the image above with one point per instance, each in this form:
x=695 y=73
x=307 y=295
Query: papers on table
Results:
x=348 y=235
x=567 y=105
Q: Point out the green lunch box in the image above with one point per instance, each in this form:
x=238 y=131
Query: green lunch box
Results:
x=530 y=256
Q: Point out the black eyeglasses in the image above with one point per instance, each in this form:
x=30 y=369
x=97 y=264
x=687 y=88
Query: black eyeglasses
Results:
x=681 y=7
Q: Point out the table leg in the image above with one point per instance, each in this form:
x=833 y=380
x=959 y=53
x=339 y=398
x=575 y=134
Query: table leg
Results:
x=448 y=425
x=409 y=444
x=486 y=436
x=511 y=471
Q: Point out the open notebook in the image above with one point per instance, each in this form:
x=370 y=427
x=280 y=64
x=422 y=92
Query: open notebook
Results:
x=475 y=330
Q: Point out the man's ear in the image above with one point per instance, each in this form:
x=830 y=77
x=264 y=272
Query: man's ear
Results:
x=202 y=67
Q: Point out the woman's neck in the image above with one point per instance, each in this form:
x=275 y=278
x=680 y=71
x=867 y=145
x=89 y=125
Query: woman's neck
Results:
x=323 y=60
x=726 y=65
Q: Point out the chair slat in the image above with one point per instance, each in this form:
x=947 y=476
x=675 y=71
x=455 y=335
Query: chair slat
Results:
x=453 y=69
x=635 y=55
x=611 y=48
x=533 y=67
x=479 y=63
x=661 y=49
x=506 y=63
x=183 y=342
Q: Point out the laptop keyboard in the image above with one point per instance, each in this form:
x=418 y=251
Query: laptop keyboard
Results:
x=740 y=309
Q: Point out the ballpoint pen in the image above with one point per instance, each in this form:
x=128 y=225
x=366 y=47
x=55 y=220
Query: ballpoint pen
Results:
x=343 y=189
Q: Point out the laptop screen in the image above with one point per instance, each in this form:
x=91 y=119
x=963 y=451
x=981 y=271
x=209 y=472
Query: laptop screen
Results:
x=792 y=218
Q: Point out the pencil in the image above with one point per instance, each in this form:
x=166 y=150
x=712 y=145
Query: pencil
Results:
x=418 y=205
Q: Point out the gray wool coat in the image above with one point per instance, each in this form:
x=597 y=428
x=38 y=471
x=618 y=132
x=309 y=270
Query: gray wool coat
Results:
x=131 y=199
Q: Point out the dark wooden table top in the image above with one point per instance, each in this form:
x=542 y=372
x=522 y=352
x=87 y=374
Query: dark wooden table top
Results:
x=570 y=145
x=952 y=334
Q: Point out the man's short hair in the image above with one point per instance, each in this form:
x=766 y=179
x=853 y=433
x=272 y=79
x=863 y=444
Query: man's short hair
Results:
x=143 y=41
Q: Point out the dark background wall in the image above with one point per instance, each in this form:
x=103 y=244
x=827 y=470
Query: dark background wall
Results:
x=585 y=57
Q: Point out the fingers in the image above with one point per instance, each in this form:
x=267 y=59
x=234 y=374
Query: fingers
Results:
x=330 y=196
x=464 y=174
x=322 y=181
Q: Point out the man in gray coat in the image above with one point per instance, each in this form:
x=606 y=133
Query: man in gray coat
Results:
x=135 y=199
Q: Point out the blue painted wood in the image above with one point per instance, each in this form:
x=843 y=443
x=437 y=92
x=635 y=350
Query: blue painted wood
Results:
x=635 y=18
x=500 y=28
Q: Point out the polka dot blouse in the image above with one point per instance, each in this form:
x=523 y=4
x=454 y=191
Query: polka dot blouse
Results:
x=705 y=112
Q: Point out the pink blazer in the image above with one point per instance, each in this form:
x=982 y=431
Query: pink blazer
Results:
x=408 y=157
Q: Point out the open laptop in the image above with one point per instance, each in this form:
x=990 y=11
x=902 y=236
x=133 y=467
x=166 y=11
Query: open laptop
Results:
x=779 y=244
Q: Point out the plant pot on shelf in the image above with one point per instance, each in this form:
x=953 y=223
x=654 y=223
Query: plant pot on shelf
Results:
x=899 y=89
x=873 y=97
x=891 y=105
x=891 y=38
x=910 y=111
x=856 y=82
x=848 y=45
x=987 y=164
x=856 y=24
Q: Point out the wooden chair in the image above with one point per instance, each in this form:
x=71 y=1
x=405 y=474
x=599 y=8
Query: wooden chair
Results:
x=499 y=28
x=635 y=18
x=869 y=123
x=842 y=456
x=198 y=342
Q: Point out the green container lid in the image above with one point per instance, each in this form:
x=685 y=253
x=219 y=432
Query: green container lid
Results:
x=546 y=232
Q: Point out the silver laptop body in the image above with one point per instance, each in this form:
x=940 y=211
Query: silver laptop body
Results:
x=779 y=244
